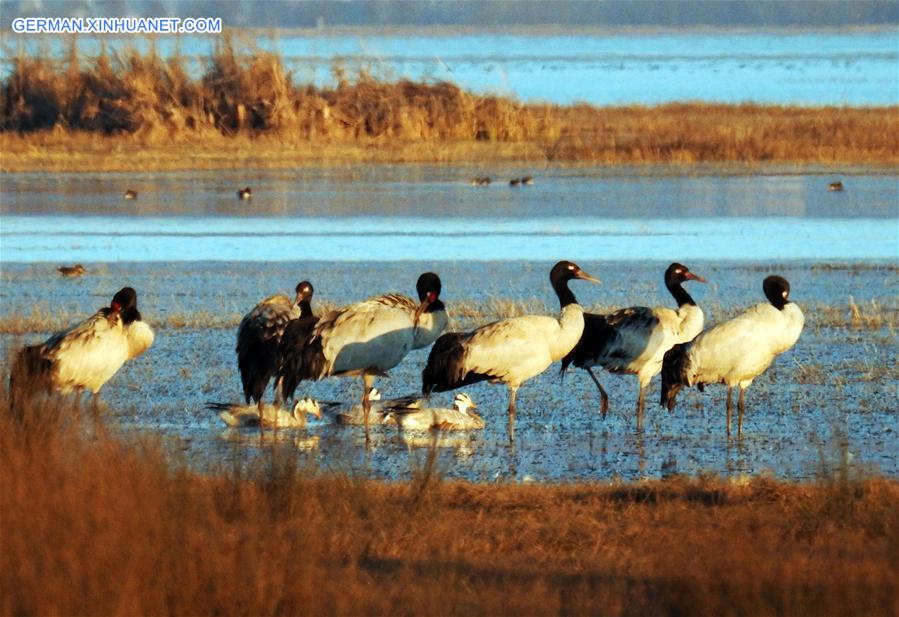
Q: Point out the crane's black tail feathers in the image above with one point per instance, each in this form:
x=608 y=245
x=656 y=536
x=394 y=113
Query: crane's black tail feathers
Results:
x=446 y=366
x=674 y=373
x=257 y=363
x=302 y=356
x=31 y=372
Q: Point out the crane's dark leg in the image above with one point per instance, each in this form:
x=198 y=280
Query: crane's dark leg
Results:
x=603 y=397
x=641 y=404
x=741 y=407
x=512 y=393
x=730 y=408
x=279 y=392
x=367 y=382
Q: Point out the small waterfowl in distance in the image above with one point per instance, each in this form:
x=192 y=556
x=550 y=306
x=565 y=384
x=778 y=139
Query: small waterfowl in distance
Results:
x=76 y=270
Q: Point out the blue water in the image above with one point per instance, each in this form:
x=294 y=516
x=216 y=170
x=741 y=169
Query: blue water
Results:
x=380 y=213
x=857 y=68
x=369 y=238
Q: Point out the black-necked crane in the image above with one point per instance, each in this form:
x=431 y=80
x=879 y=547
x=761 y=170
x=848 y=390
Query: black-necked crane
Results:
x=87 y=355
x=736 y=351
x=365 y=339
x=633 y=341
x=259 y=337
x=509 y=351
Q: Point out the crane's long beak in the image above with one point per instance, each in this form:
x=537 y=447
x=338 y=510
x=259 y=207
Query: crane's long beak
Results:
x=695 y=277
x=583 y=275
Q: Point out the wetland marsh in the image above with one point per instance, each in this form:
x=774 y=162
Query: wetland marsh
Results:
x=200 y=259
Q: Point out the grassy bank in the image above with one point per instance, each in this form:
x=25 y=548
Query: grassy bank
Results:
x=465 y=313
x=91 y=525
x=142 y=112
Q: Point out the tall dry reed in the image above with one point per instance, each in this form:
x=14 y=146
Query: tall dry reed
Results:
x=249 y=92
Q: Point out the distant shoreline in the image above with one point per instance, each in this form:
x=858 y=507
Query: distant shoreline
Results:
x=84 y=152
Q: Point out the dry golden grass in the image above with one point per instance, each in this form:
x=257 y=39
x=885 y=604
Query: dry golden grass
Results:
x=92 y=525
x=140 y=112
x=466 y=313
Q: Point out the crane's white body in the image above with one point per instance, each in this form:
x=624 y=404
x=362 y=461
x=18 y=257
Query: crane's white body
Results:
x=643 y=335
x=376 y=334
x=737 y=351
x=514 y=350
x=87 y=355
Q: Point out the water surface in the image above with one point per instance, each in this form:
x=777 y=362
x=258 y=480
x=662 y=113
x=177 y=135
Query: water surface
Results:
x=381 y=213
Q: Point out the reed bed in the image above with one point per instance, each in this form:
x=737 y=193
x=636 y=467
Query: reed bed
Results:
x=94 y=524
x=853 y=316
x=136 y=111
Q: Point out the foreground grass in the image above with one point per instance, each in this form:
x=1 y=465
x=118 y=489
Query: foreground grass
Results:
x=140 y=112
x=91 y=525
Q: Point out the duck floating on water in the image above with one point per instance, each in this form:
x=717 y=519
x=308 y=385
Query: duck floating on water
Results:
x=270 y=415
x=354 y=414
x=130 y=194
x=459 y=418
x=245 y=193
x=76 y=270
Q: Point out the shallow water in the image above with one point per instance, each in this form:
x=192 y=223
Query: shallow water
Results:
x=381 y=213
x=199 y=257
x=808 y=68
x=830 y=400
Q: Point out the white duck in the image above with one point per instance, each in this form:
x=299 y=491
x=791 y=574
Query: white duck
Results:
x=272 y=416
x=354 y=414
x=459 y=418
